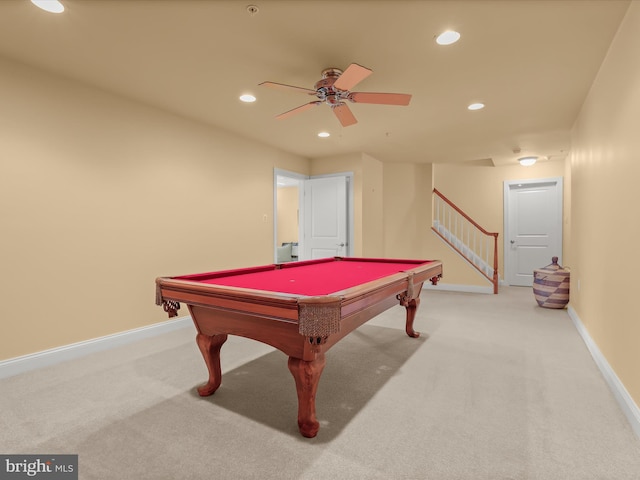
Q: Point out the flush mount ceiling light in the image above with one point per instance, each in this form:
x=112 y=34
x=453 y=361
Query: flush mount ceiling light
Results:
x=247 y=98
x=53 y=6
x=324 y=134
x=527 y=161
x=476 y=106
x=447 y=38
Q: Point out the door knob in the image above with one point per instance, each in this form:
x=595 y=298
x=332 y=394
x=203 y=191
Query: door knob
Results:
x=340 y=244
x=512 y=242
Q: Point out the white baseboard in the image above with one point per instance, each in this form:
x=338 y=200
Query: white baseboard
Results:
x=458 y=288
x=33 y=361
x=628 y=406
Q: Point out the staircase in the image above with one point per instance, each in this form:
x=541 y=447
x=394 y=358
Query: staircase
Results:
x=465 y=236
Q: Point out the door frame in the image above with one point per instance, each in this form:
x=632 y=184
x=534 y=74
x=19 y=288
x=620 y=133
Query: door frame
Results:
x=301 y=177
x=506 y=197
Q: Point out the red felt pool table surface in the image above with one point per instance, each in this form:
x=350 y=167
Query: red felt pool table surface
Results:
x=311 y=278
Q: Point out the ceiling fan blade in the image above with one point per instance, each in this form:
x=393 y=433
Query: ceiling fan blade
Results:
x=344 y=114
x=352 y=76
x=296 y=110
x=380 y=98
x=282 y=86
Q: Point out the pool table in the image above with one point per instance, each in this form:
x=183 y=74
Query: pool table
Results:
x=300 y=308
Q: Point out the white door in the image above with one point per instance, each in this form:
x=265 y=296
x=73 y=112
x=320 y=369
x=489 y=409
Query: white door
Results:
x=325 y=217
x=533 y=227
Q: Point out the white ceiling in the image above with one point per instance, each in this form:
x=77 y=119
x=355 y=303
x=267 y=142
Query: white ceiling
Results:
x=530 y=61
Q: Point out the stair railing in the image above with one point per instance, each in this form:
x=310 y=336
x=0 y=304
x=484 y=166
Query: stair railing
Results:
x=465 y=236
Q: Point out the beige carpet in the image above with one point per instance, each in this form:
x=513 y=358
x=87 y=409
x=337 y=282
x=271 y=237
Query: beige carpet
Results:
x=496 y=388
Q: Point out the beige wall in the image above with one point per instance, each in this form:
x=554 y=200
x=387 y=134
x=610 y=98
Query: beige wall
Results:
x=407 y=209
x=605 y=168
x=101 y=195
x=372 y=207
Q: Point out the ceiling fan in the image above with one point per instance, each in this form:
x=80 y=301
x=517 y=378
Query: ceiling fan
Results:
x=334 y=88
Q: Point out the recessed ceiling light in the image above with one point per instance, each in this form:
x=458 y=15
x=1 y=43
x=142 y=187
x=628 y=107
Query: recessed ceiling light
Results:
x=247 y=98
x=447 y=38
x=476 y=106
x=527 y=161
x=324 y=134
x=53 y=6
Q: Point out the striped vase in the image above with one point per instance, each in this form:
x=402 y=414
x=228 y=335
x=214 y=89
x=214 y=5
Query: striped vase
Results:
x=551 y=285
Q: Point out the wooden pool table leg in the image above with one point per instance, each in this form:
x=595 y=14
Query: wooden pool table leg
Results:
x=307 y=375
x=412 y=306
x=411 y=301
x=210 y=348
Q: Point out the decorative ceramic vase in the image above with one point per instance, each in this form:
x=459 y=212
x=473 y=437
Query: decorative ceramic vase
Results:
x=551 y=285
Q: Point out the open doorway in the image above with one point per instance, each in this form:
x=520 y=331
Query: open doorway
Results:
x=288 y=192
x=313 y=216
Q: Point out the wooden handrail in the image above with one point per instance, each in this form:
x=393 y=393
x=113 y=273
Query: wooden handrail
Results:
x=467 y=217
x=495 y=277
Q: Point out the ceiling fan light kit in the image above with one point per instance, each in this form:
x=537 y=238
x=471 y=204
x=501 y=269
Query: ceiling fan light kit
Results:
x=334 y=89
